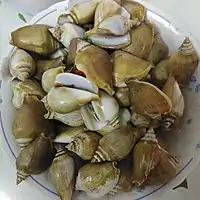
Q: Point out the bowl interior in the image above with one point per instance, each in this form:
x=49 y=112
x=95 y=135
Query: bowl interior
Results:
x=184 y=142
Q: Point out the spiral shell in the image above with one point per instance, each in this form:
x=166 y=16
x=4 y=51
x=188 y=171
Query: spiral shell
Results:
x=84 y=145
x=97 y=179
x=117 y=144
x=22 y=65
x=159 y=50
x=142 y=39
x=148 y=100
x=21 y=89
x=82 y=12
x=35 y=158
x=172 y=90
x=49 y=76
x=62 y=174
x=66 y=134
x=126 y=65
x=136 y=10
x=96 y=65
x=73 y=119
x=32 y=112
x=43 y=44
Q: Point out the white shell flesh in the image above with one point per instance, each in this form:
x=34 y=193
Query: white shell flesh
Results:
x=76 y=81
x=111 y=42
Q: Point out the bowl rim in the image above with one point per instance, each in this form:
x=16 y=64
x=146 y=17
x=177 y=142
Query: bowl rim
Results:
x=183 y=172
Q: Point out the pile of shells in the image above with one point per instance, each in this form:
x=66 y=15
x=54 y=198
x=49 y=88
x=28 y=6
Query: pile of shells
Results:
x=91 y=96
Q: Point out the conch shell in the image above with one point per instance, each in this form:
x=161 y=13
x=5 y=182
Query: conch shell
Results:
x=145 y=157
x=82 y=12
x=62 y=174
x=65 y=100
x=172 y=90
x=84 y=144
x=36 y=158
x=147 y=99
x=22 y=65
x=73 y=119
x=122 y=96
x=116 y=25
x=108 y=8
x=159 y=50
x=35 y=38
x=44 y=65
x=66 y=134
x=180 y=64
x=29 y=121
x=97 y=179
x=126 y=65
x=21 y=89
x=49 y=76
x=118 y=144
x=67 y=32
x=136 y=10
x=101 y=116
x=96 y=65
x=142 y=39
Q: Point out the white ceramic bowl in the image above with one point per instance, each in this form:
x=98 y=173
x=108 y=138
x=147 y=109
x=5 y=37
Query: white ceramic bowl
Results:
x=185 y=143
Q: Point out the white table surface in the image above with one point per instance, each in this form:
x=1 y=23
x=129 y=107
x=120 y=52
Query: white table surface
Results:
x=186 y=12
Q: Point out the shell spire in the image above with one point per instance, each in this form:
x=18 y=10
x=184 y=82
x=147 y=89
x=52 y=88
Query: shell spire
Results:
x=100 y=156
x=187 y=47
x=21 y=176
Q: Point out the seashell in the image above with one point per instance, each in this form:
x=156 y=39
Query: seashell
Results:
x=125 y=180
x=117 y=145
x=122 y=96
x=140 y=120
x=61 y=54
x=64 y=100
x=172 y=90
x=124 y=116
x=180 y=64
x=145 y=157
x=108 y=8
x=111 y=42
x=75 y=81
x=159 y=50
x=84 y=144
x=49 y=76
x=147 y=99
x=22 y=65
x=73 y=119
x=21 y=89
x=103 y=115
x=67 y=134
x=184 y=62
x=67 y=32
x=160 y=74
x=82 y=12
x=43 y=44
x=32 y=112
x=96 y=65
x=126 y=65
x=44 y=65
x=116 y=25
x=165 y=170
x=97 y=179
x=75 y=46
x=62 y=174
x=36 y=158
x=142 y=39
x=63 y=19
x=137 y=11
